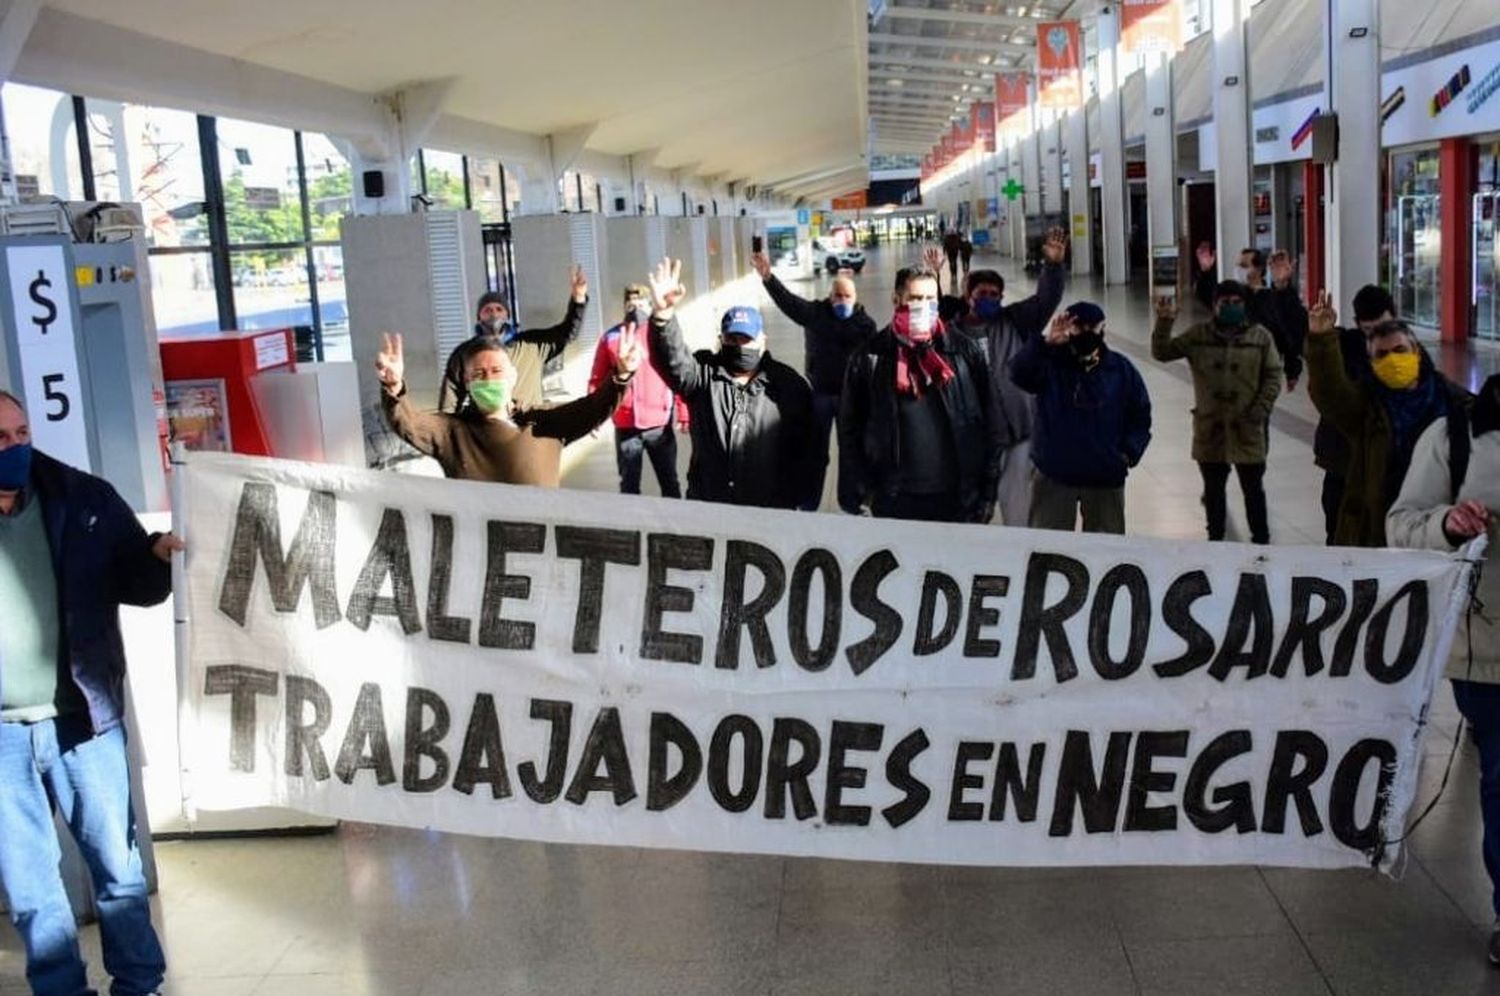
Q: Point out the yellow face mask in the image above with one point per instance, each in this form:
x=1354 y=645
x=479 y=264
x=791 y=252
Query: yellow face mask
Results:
x=1398 y=371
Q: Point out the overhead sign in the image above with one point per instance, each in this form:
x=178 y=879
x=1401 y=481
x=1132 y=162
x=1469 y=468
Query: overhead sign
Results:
x=42 y=308
x=851 y=202
x=590 y=668
x=1059 y=55
x=1150 y=26
x=1451 y=95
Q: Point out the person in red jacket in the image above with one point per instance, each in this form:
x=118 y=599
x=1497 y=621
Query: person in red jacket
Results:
x=643 y=420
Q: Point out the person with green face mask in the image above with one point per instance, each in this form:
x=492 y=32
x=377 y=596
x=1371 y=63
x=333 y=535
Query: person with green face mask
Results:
x=1381 y=412
x=1237 y=376
x=490 y=437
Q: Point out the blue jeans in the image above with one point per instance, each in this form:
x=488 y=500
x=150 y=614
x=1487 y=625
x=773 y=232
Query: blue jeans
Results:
x=661 y=445
x=1480 y=704
x=53 y=763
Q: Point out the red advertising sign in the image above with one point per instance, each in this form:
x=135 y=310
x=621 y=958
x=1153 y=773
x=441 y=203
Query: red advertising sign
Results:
x=963 y=135
x=852 y=202
x=1012 y=96
x=1059 y=64
x=927 y=166
x=944 y=151
x=982 y=118
x=1150 y=26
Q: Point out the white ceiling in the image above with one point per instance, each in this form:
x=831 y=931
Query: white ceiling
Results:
x=761 y=91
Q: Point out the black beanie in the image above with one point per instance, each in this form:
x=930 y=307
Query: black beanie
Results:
x=491 y=297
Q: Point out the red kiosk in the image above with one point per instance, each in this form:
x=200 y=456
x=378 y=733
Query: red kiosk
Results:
x=212 y=400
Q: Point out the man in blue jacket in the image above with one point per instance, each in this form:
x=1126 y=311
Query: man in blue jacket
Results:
x=1093 y=421
x=71 y=552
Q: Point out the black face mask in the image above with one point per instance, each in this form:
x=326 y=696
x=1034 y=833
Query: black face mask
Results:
x=639 y=314
x=1086 y=343
x=740 y=358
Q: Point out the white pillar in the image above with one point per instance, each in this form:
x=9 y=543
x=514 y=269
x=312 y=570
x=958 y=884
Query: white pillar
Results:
x=1234 y=143
x=1161 y=170
x=1080 y=204
x=1112 y=150
x=1018 y=205
x=395 y=175
x=1353 y=84
x=1049 y=146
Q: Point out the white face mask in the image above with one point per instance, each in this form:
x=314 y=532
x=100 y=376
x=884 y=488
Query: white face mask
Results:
x=1242 y=274
x=923 y=315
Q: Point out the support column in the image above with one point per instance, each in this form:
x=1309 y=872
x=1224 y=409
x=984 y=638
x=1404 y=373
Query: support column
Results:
x=1455 y=272
x=1161 y=177
x=1017 y=207
x=1050 y=146
x=1112 y=150
x=1314 y=233
x=1233 y=141
x=1353 y=89
x=1080 y=204
x=1031 y=174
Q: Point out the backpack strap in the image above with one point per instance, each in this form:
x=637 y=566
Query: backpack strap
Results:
x=1460 y=443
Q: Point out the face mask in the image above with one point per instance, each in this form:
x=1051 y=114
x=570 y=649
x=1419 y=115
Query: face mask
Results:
x=843 y=309
x=1242 y=274
x=921 y=316
x=740 y=358
x=15 y=467
x=490 y=396
x=1232 y=315
x=987 y=308
x=502 y=328
x=637 y=315
x=1086 y=343
x=1398 y=371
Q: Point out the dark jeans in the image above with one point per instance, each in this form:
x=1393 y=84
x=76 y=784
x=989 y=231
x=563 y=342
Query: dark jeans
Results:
x=1216 y=502
x=825 y=415
x=50 y=764
x=661 y=445
x=923 y=508
x=1480 y=704
x=1333 y=496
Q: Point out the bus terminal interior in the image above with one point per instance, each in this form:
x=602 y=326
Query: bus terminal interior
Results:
x=242 y=200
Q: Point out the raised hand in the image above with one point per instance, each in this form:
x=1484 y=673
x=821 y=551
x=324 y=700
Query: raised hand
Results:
x=665 y=282
x=1206 y=257
x=390 y=362
x=1280 y=266
x=1061 y=329
x=932 y=258
x=762 y=264
x=1466 y=520
x=1321 y=317
x=1056 y=246
x=1166 y=307
x=580 y=284
x=628 y=360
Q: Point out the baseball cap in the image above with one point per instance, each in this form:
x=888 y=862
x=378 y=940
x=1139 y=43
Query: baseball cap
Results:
x=742 y=320
x=1086 y=313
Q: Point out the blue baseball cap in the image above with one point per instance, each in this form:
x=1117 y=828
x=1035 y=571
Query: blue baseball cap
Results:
x=742 y=320
x=1087 y=313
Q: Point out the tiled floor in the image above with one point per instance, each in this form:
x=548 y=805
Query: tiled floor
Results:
x=374 y=910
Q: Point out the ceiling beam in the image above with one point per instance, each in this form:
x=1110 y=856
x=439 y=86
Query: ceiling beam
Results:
x=951 y=44
x=931 y=100
x=911 y=76
x=918 y=86
x=939 y=65
x=1009 y=21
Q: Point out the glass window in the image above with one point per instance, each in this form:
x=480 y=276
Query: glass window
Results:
x=1416 y=236
x=330 y=186
x=182 y=292
x=484 y=188
x=333 y=312
x=512 y=189
x=445 y=178
x=150 y=155
x=262 y=198
x=43 y=142
x=270 y=288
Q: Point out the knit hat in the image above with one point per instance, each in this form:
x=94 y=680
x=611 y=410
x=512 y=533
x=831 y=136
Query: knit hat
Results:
x=1086 y=313
x=491 y=297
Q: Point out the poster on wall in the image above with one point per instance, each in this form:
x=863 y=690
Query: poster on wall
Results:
x=1150 y=26
x=1059 y=64
x=198 y=413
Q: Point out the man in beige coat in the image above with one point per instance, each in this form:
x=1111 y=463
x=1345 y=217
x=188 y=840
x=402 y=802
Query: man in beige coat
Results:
x=1451 y=495
x=1236 y=380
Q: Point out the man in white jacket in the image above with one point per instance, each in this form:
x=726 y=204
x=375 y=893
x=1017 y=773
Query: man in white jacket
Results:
x=1451 y=494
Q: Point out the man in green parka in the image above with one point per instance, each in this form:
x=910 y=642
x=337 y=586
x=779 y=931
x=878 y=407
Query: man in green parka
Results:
x=1236 y=381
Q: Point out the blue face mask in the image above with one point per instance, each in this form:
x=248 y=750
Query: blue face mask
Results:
x=843 y=309
x=15 y=467
x=987 y=308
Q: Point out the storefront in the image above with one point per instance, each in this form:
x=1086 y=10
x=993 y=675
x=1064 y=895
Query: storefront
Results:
x=1486 y=219
x=1415 y=236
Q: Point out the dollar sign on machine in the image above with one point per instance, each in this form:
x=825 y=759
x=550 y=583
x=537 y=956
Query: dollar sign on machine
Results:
x=43 y=301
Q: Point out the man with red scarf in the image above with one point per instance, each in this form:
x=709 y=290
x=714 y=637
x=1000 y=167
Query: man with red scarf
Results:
x=919 y=417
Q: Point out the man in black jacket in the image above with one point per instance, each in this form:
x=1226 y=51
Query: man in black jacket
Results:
x=832 y=329
x=71 y=552
x=1277 y=306
x=533 y=351
x=1373 y=306
x=920 y=419
x=751 y=415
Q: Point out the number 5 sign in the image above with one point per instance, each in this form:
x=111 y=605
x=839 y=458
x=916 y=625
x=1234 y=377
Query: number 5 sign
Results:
x=48 y=351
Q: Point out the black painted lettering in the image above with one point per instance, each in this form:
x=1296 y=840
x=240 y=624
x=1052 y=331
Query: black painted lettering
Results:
x=440 y=625
x=1344 y=793
x=482 y=760
x=825 y=565
x=738 y=614
x=389 y=558
x=663 y=788
x=303 y=735
x=1027 y=791
x=1233 y=805
x=1414 y=594
x=720 y=753
x=257 y=531
x=424 y=740
x=914 y=792
x=1177 y=613
x=937 y=585
x=981 y=616
x=663 y=553
x=366 y=744
x=494 y=629
x=1366 y=590
x=604 y=747
x=1140 y=815
x=1096 y=794
x=242 y=684
x=785 y=776
x=1041 y=621
x=1132 y=580
x=1299 y=760
x=844 y=738
x=864 y=598
x=594 y=549
x=560 y=715
x=1304 y=631
x=969 y=751
x=1249 y=619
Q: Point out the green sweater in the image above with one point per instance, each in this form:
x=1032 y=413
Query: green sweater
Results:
x=28 y=618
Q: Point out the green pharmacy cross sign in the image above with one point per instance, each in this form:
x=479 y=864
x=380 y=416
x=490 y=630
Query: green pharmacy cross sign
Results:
x=1012 y=189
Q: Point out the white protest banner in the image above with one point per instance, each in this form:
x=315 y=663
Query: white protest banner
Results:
x=593 y=668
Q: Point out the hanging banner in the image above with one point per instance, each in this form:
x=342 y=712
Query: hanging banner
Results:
x=851 y=201
x=963 y=133
x=1150 y=26
x=591 y=668
x=945 y=150
x=982 y=115
x=1012 y=97
x=927 y=167
x=1059 y=59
